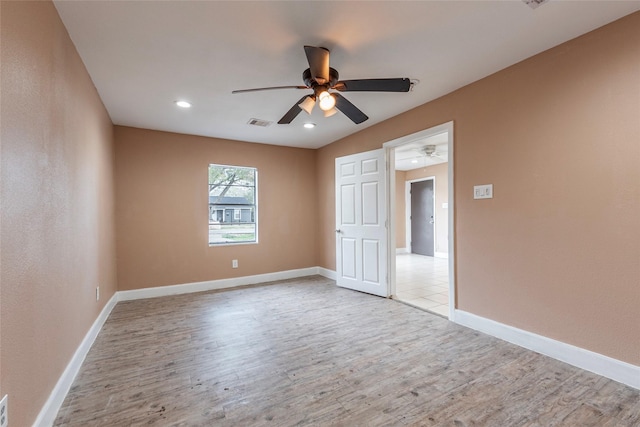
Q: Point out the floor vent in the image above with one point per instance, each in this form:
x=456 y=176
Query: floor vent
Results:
x=534 y=3
x=258 y=122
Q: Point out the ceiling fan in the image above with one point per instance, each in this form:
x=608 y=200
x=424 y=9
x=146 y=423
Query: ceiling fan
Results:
x=321 y=78
x=430 y=151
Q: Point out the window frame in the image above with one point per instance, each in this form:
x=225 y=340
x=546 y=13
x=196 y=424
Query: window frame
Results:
x=236 y=217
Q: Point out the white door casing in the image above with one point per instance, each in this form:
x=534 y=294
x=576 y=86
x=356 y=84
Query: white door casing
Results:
x=390 y=147
x=361 y=218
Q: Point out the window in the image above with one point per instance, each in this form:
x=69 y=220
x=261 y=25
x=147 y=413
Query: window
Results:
x=232 y=205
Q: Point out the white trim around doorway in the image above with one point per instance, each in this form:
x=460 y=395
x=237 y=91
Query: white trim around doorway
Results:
x=390 y=147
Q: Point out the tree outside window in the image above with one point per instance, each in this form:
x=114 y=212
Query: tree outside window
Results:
x=232 y=205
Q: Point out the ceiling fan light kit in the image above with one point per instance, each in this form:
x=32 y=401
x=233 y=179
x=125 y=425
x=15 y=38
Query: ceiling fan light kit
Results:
x=326 y=101
x=321 y=78
x=307 y=104
x=331 y=112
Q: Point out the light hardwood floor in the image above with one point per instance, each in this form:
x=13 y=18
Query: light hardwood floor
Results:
x=305 y=352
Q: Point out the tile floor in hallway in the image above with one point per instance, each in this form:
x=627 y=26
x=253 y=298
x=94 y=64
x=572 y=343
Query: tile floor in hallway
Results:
x=423 y=281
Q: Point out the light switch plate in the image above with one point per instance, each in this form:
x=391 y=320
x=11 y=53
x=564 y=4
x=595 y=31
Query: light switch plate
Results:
x=483 y=191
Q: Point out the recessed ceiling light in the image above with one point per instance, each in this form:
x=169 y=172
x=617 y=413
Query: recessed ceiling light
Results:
x=183 y=104
x=414 y=161
x=309 y=125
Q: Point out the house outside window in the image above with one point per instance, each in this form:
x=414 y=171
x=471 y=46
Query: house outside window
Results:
x=233 y=206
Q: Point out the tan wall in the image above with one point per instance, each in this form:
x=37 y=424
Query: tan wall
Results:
x=441 y=195
x=57 y=209
x=556 y=251
x=162 y=209
x=401 y=229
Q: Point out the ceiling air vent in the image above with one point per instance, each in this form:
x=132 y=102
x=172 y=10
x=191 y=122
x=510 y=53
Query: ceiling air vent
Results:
x=258 y=122
x=534 y=3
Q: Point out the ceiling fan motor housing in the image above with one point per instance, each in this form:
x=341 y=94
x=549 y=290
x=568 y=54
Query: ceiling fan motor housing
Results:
x=311 y=82
x=429 y=150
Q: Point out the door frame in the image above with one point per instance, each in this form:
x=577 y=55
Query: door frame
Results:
x=389 y=148
x=407 y=211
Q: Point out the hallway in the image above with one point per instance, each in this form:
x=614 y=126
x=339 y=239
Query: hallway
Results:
x=423 y=281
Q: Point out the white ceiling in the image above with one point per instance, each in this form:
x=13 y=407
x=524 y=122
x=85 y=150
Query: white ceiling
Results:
x=144 y=55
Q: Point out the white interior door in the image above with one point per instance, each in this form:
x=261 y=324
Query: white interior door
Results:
x=361 y=216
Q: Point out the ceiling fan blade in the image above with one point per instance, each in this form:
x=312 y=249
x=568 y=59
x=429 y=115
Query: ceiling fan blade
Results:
x=268 y=88
x=318 y=58
x=292 y=113
x=349 y=109
x=402 y=84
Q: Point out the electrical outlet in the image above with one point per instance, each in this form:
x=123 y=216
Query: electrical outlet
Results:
x=4 y=411
x=97 y=293
x=234 y=263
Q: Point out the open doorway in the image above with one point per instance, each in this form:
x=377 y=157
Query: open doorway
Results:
x=422 y=278
x=421 y=218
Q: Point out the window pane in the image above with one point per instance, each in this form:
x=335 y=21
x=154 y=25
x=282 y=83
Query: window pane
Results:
x=232 y=205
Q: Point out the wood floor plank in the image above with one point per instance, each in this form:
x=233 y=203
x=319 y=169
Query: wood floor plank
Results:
x=306 y=352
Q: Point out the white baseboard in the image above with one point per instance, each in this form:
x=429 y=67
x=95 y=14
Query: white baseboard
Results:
x=210 y=285
x=597 y=363
x=325 y=272
x=402 y=251
x=614 y=369
x=49 y=411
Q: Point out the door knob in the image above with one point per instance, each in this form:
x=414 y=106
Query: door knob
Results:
x=338 y=231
